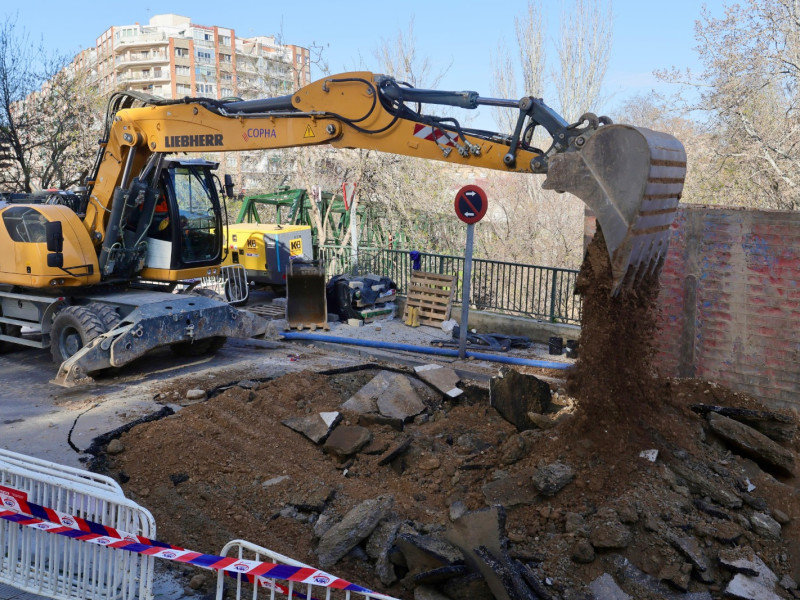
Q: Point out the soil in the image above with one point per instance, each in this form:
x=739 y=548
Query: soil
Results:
x=209 y=473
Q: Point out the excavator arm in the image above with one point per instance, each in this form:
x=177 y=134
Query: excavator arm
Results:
x=631 y=177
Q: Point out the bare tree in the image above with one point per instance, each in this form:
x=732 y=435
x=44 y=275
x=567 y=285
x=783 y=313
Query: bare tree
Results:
x=531 y=45
x=72 y=108
x=750 y=89
x=530 y=224
x=49 y=116
x=20 y=75
x=584 y=47
x=399 y=59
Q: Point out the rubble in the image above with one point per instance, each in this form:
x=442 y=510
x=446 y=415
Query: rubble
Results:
x=444 y=379
x=752 y=443
x=553 y=502
x=316 y=427
x=347 y=440
x=356 y=526
x=514 y=395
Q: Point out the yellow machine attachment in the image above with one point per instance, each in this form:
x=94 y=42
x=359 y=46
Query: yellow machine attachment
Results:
x=632 y=178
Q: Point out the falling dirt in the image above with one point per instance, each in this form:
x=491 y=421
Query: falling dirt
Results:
x=614 y=376
x=228 y=468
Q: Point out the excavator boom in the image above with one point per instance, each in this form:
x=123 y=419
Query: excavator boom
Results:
x=631 y=177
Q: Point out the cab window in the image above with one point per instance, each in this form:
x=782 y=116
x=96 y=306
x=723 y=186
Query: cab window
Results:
x=25 y=224
x=197 y=216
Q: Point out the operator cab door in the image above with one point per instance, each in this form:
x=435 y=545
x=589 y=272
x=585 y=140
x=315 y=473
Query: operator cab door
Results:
x=186 y=227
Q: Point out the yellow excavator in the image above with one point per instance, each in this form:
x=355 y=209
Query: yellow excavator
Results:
x=89 y=274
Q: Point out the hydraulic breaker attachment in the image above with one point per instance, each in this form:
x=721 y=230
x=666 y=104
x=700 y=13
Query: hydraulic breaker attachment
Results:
x=632 y=178
x=306 y=303
x=167 y=319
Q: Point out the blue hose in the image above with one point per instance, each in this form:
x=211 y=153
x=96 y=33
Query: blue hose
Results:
x=511 y=360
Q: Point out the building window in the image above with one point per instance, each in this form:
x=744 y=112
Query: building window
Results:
x=224 y=40
x=183 y=89
x=205 y=88
x=205 y=72
x=226 y=58
x=182 y=70
x=181 y=52
x=205 y=56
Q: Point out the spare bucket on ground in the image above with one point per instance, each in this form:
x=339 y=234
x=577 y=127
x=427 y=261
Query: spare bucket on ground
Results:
x=305 y=295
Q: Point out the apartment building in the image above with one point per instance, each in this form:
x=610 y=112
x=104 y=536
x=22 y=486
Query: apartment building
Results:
x=172 y=57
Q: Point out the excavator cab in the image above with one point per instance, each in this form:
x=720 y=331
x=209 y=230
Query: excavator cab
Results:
x=186 y=226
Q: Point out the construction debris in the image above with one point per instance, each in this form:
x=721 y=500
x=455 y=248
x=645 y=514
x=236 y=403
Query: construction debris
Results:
x=576 y=507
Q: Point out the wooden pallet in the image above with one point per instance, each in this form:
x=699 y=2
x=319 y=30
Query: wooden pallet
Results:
x=268 y=311
x=432 y=295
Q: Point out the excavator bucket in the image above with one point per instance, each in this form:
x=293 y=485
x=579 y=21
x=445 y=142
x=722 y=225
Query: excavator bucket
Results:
x=306 y=304
x=632 y=178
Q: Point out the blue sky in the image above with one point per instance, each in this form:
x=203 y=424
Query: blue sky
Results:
x=647 y=35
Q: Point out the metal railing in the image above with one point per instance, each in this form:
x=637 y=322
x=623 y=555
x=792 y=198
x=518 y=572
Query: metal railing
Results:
x=532 y=291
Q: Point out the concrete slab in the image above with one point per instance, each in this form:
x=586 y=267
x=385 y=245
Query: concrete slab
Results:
x=443 y=379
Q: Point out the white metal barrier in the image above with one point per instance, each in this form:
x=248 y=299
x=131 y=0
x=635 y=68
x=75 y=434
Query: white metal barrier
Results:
x=61 y=567
x=231 y=284
x=243 y=549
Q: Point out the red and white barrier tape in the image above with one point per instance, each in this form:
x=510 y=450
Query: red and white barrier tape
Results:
x=18 y=509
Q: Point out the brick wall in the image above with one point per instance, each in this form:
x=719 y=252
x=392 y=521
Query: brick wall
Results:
x=730 y=301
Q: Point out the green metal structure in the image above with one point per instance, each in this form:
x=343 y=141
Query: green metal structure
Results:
x=293 y=207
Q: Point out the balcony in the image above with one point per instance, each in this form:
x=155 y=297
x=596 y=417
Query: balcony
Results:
x=140 y=58
x=143 y=39
x=130 y=78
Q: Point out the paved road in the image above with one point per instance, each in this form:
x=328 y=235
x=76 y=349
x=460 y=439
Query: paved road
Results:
x=55 y=423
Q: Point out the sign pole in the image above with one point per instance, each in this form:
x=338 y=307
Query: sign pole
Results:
x=470 y=207
x=465 y=292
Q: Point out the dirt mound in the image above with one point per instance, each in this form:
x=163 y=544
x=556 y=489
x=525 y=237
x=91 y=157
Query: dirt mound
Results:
x=228 y=468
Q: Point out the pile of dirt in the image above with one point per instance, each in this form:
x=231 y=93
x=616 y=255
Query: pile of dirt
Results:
x=654 y=496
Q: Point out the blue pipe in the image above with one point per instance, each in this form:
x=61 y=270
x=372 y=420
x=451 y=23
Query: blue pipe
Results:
x=511 y=360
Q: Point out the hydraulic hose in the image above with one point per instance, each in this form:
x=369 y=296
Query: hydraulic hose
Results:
x=511 y=360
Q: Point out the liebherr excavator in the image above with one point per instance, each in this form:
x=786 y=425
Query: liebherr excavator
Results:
x=73 y=264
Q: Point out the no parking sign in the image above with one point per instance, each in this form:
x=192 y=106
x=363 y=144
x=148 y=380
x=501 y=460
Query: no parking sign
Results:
x=471 y=204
